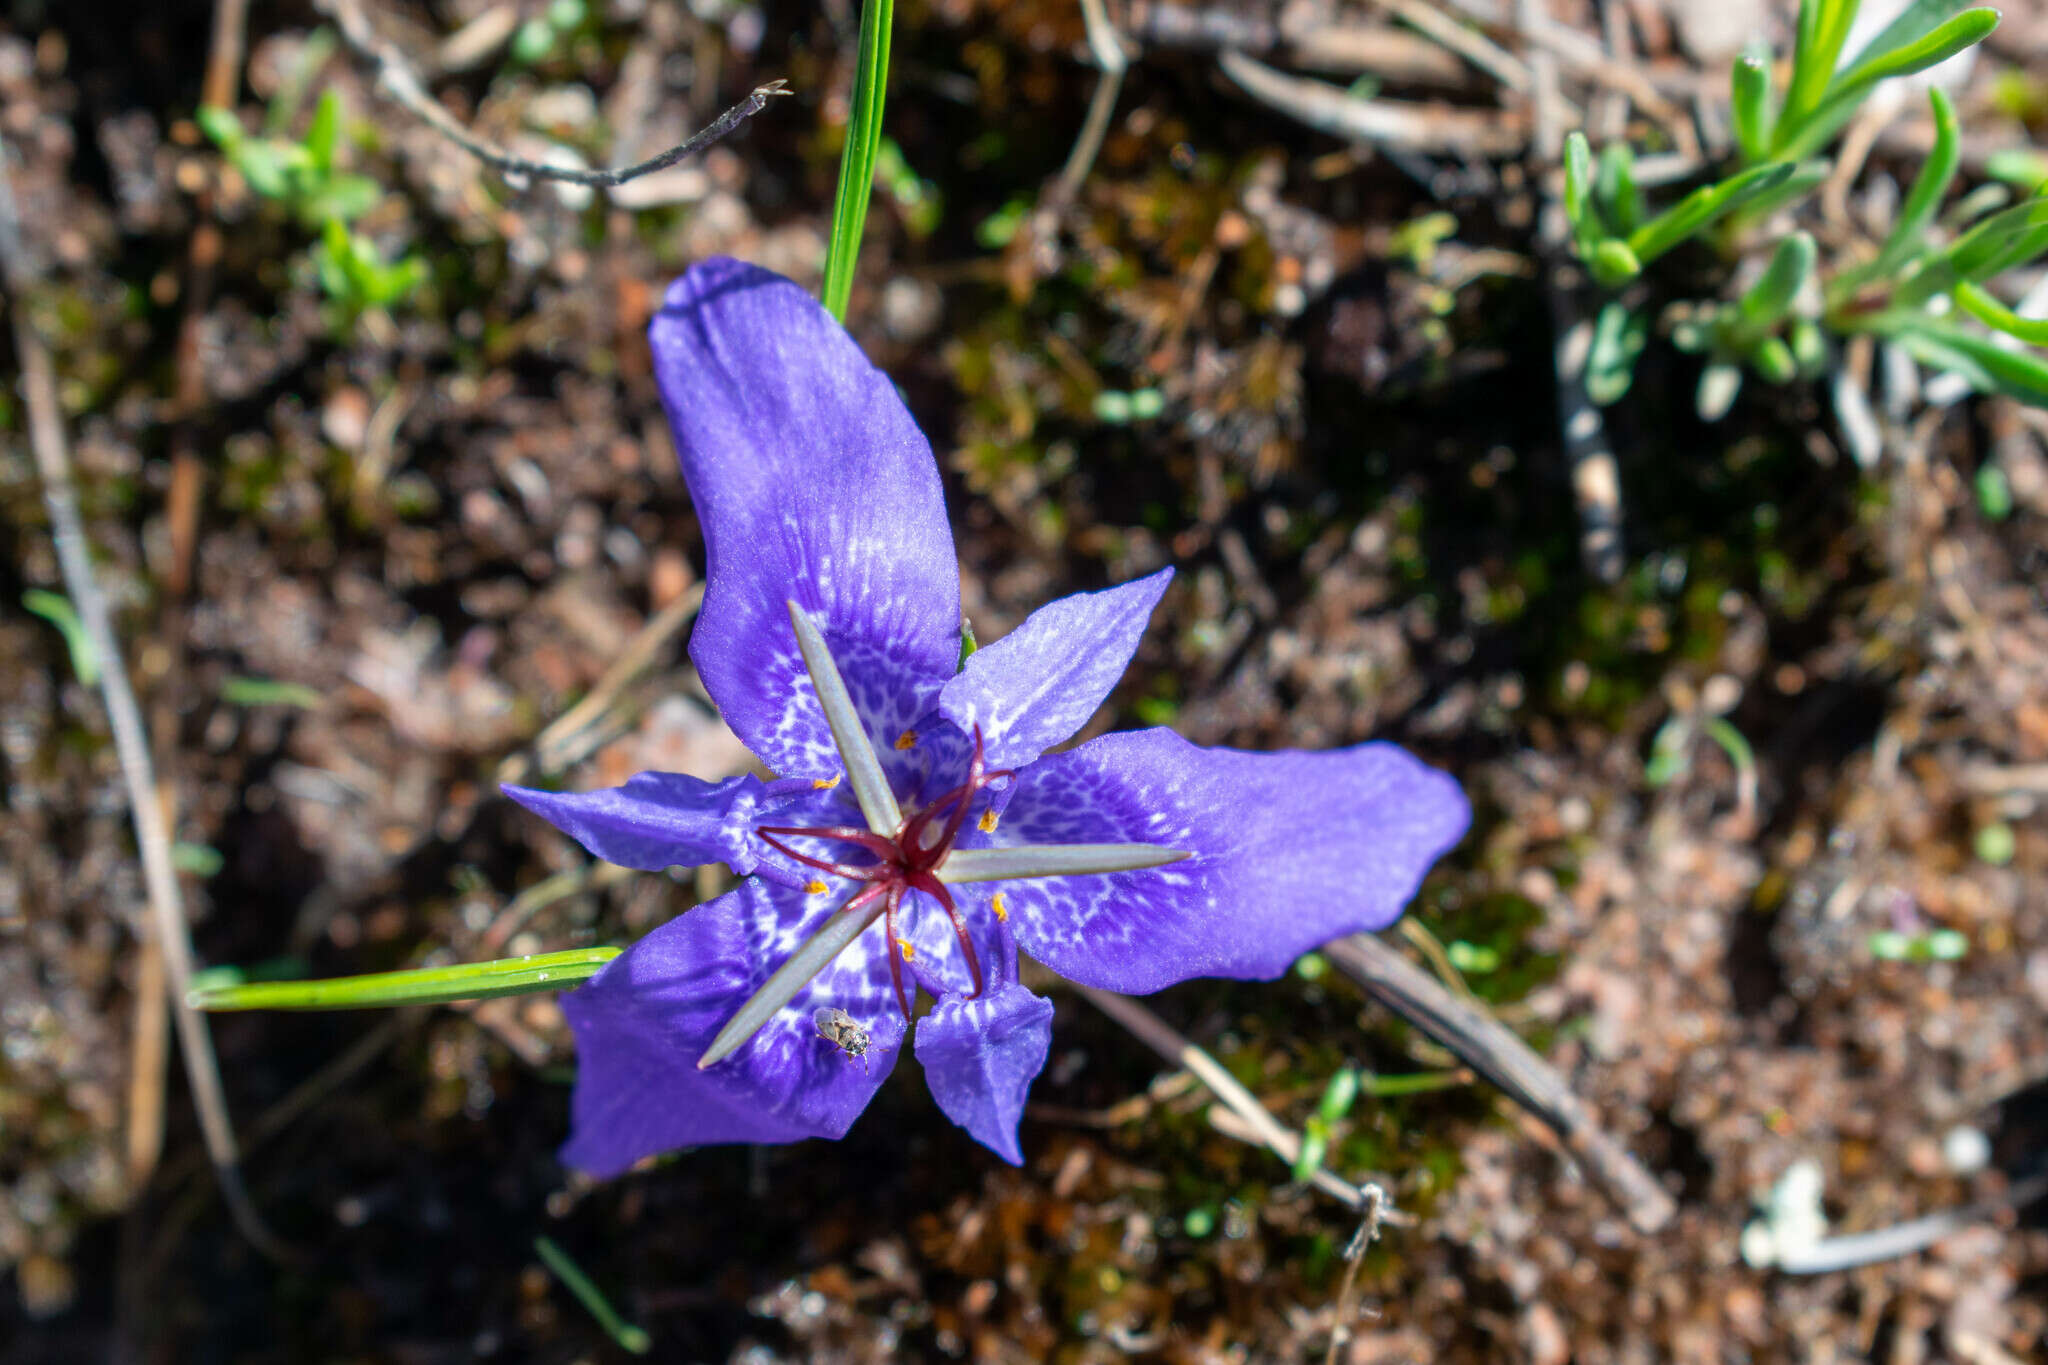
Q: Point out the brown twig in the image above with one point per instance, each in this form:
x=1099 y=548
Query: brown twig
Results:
x=397 y=79
x=1904 y=1239
x=1437 y=128
x=1486 y=1045
x=1354 y=1256
x=52 y=452
x=1596 y=474
x=1252 y=1121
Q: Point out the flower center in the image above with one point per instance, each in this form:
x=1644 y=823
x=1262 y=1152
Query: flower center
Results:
x=905 y=861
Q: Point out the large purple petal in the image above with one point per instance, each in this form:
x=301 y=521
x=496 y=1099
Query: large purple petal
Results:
x=1040 y=683
x=812 y=483
x=642 y=1023
x=660 y=820
x=1290 y=850
x=980 y=1057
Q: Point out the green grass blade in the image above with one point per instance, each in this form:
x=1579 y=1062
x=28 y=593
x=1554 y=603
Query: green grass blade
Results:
x=634 y=1339
x=1751 y=107
x=1989 y=311
x=1823 y=28
x=1989 y=367
x=1700 y=208
x=1854 y=85
x=1771 y=297
x=56 y=608
x=1578 y=193
x=1930 y=187
x=423 y=986
x=857 y=162
x=270 y=692
x=1615 y=189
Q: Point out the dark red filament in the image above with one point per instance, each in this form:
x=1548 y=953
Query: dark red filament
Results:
x=909 y=860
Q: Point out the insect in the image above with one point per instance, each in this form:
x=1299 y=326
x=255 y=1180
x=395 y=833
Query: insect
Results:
x=844 y=1032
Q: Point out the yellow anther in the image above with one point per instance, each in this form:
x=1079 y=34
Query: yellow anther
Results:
x=987 y=823
x=1000 y=906
x=814 y=887
x=909 y=951
x=820 y=784
x=907 y=740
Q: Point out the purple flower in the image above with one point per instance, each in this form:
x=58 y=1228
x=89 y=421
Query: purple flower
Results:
x=921 y=833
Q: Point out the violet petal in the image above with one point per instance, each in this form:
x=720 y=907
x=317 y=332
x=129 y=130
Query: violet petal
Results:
x=1039 y=684
x=643 y=1021
x=1290 y=850
x=980 y=1057
x=660 y=820
x=812 y=483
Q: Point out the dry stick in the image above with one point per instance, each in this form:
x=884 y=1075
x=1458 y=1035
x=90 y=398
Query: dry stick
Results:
x=1904 y=1239
x=1354 y=1256
x=396 y=78
x=1596 y=475
x=131 y=740
x=1486 y=1045
x=149 y=1052
x=1402 y=124
x=1255 y=1124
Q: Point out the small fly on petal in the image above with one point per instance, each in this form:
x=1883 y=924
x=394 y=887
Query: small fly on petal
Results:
x=844 y=1032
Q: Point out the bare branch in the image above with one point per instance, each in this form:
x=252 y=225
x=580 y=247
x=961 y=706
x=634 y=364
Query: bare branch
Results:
x=396 y=78
x=1487 y=1046
x=52 y=453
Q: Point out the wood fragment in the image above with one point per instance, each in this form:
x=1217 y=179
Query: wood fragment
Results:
x=1486 y=1045
x=1440 y=129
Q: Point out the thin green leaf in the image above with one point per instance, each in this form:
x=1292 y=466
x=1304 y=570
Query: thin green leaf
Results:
x=1615 y=190
x=1700 y=208
x=1339 y=1095
x=1924 y=201
x=1767 y=301
x=422 y=986
x=201 y=860
x=1772 y=359
x=857 y=162
x=323 y=135
x=1578 y=193
x=1855 y=84
x=56 y=608
x=1806 y=177
x=1823 y=28
x=270 y=692
x=1988 y=367
x=1613 y=264
x=634 y=1339
x=1315 y=1144
x=1419 y=1083
x=1619 y=334
x=221 y=126
x=1750 y=106
x=2000 y=241
x=1989 y=311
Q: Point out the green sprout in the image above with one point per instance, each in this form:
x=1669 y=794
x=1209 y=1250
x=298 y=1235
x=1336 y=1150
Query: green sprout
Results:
x=1926 y=288
x=305 y=178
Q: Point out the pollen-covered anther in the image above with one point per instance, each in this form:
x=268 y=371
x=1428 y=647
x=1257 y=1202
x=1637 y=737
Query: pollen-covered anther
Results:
x=1001 y=906
x=824 y=784
x=815 y=887
x=987 y=823
x=908 y=948
x=906 y=740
